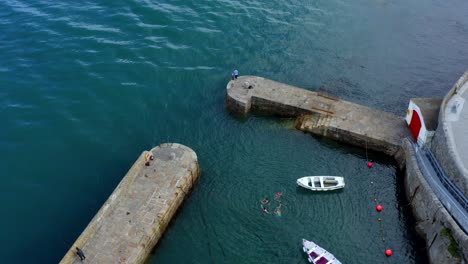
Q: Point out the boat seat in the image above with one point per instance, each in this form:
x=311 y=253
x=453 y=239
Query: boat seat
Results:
x=331 y=181
x=313 y=255
x=322 y=260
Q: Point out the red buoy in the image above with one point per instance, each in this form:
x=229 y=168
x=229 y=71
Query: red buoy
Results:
x=379 y=208
x=370 y=164
x=388 y=252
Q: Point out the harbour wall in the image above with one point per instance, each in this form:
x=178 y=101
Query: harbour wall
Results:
x=443 y=146
x=364 y=127
x=135 y=216
x=320 y=114
x=433 y=221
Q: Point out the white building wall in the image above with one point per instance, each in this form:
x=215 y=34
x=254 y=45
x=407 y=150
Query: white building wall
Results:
x=423 y=133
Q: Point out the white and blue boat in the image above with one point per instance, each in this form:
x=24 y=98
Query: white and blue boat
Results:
x=321 y=183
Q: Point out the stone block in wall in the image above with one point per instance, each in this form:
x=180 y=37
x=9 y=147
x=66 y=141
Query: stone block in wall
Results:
x=260 y=105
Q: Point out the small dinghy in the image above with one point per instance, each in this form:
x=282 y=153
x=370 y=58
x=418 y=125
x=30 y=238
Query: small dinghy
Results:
x=318 y=255
x=321 y=183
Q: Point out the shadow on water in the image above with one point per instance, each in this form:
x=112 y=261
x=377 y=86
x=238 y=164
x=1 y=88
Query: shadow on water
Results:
x=363 y=153
x=406 y=213
x=305 y=192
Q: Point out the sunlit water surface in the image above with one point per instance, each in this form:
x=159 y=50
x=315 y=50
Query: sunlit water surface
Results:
x=85 y=86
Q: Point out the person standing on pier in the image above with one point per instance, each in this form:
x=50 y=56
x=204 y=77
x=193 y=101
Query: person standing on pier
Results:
x=80 y=254
x=236 y=73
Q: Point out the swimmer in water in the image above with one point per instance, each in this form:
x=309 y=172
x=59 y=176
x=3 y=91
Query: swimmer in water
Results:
x=278 y=195
x=278 y=212
x=265 y=210
x=278 y=209
x=266 y=201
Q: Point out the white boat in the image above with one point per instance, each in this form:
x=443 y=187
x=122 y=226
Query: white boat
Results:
x=321 y=183
x=318 y=255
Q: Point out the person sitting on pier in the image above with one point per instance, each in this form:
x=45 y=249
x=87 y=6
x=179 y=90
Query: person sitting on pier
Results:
x=148 y=157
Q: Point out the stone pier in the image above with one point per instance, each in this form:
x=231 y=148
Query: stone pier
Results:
x=320 y=114
x=133 y=219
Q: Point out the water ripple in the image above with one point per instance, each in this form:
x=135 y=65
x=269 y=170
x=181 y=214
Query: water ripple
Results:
x=152 y=26
x=21 y=7
x=175 y=46
x=93 y=27
x=195 y=68
x=207 y=30
x=94 y=78
x=109 y=41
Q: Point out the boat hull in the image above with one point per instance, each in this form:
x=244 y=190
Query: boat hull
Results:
x=317 y=254
x=321 y=183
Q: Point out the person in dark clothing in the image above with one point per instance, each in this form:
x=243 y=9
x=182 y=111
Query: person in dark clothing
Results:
x=80 y=254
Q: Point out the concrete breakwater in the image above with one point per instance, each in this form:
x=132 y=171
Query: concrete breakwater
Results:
x=320 y=114
x=134 y=217
x=364 y=127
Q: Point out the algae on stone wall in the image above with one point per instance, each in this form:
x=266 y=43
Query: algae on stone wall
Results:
x=453 y=246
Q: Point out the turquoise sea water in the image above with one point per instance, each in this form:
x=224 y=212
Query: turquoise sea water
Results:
x=86 y=86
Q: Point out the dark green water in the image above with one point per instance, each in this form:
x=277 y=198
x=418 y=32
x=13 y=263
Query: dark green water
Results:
x=86 y=86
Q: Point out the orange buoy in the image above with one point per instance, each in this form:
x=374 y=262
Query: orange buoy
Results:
x=388 y=252
x=370 y=164
x=379 y=208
